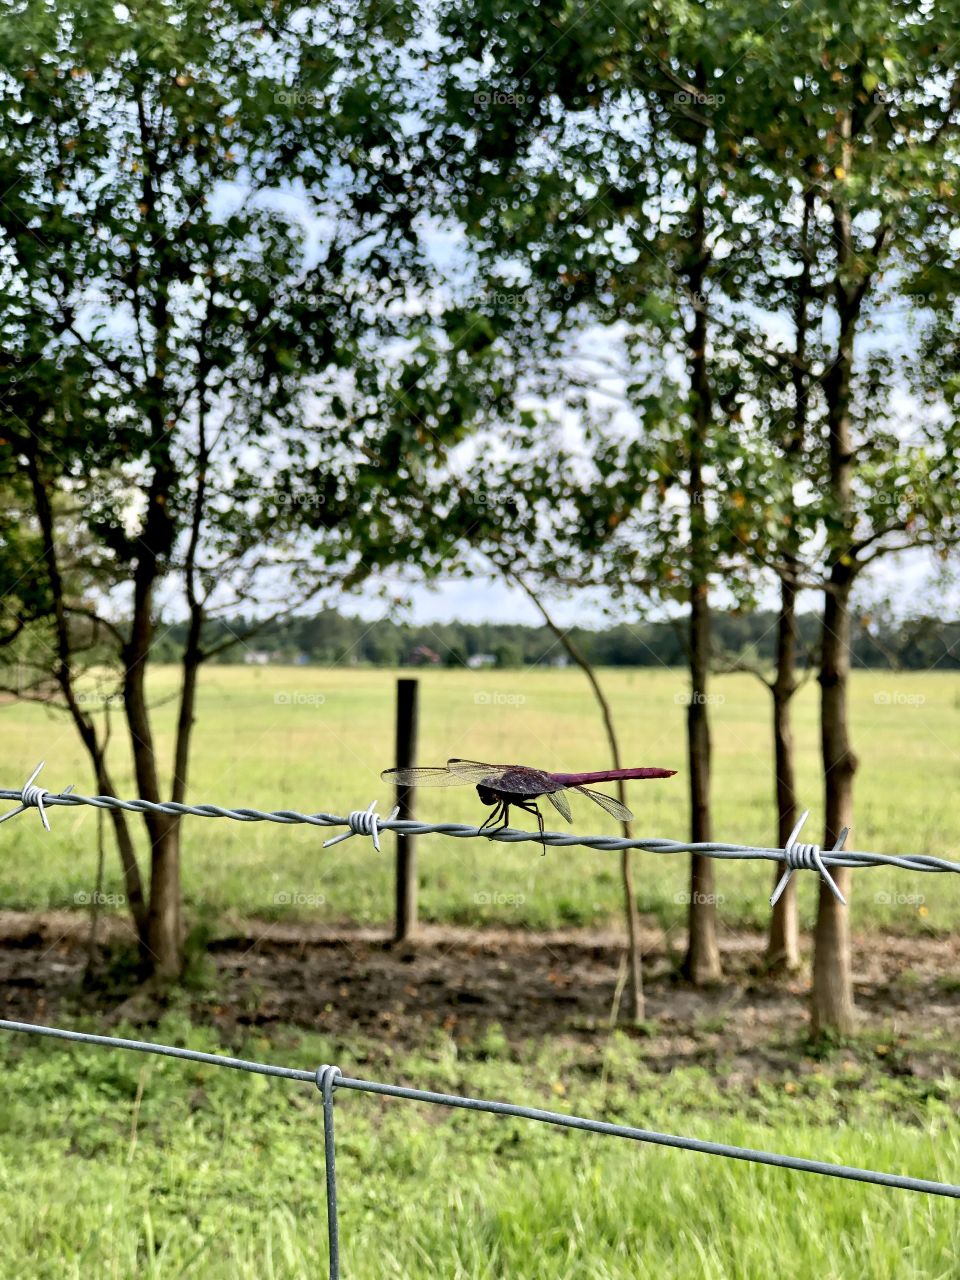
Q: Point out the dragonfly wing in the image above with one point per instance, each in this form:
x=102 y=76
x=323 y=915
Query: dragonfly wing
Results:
x=438 y=777
x=613 y=807
x=475 y=770
x=560 y=802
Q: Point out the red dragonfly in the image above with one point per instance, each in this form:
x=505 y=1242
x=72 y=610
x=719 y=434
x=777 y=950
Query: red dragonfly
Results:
x=503 y=785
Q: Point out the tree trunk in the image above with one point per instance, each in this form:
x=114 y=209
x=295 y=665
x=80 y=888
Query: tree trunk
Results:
x=83 y=723
x=164 y=920
x=783 y=943
x=164 y=935
x=702 y=963
x=188 y=700
x=132 y=883
x=638 y=1004
x=164 y=928
x=832 y=997
x=832 y=1007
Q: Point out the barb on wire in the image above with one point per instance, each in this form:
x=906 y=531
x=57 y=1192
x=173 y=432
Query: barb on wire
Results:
x=366 y=822
x=808 y=856
x=31 y=796
x=363 y=822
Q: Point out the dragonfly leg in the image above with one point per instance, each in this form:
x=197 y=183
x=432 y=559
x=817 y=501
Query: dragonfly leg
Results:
x=531 y=807
x=492 y=817
x=504 y=813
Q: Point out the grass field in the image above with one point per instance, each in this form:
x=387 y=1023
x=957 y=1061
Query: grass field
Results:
x=112 y=1165
x=315 y=739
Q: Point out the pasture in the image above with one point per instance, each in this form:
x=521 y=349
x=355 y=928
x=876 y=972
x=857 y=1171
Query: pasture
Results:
x=116 y=1166
x=312 y=739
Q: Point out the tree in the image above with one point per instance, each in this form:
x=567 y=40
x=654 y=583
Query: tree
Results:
x=861 y=158
x=666 y=172
x=604 y=191
x=196 y=260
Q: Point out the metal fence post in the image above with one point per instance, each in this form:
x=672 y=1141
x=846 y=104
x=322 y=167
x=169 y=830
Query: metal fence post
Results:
x=326 y=1077
x=405 y=924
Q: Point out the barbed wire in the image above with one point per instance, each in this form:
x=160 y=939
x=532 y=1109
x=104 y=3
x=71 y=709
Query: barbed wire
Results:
x=329 y=1078
x=794 y=855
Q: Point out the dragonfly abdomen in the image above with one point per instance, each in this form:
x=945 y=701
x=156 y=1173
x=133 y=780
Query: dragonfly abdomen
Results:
x=610 y=775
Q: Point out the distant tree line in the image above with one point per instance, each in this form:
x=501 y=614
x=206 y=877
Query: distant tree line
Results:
x=332 y=638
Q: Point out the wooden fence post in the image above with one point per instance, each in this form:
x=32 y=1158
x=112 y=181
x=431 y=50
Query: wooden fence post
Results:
x=406 y=757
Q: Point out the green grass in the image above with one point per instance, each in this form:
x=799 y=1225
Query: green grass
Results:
x=117 y=1165
x=213 y=1174
x=314 y=738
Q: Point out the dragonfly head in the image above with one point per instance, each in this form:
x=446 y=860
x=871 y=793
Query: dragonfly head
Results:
x=487 y=796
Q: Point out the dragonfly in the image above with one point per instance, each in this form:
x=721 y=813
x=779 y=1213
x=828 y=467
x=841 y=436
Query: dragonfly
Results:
x=518 y=785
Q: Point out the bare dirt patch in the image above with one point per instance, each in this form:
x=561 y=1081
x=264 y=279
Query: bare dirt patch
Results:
x=352 y=983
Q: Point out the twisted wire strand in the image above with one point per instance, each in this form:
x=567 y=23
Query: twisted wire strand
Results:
x=328 y=1079
x=511 y=835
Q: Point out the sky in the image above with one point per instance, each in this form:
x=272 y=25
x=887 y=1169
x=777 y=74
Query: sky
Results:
x=908 y=582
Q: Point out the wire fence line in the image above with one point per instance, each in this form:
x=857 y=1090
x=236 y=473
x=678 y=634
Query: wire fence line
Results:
x=329 y=1078
x=795 y=855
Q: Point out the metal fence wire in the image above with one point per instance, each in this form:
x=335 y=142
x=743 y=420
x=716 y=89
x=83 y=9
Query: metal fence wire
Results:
x=329 y=1078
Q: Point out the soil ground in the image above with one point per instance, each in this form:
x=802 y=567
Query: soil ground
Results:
x=353 y=984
